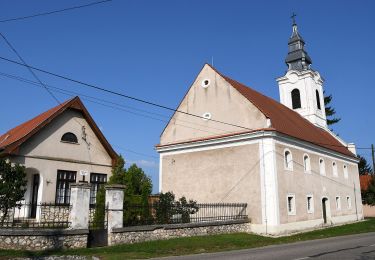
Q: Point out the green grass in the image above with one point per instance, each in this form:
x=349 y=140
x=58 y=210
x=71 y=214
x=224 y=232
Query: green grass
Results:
x=202 y=244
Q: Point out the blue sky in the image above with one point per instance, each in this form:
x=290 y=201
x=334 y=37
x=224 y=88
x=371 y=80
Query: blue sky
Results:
x=154 y=49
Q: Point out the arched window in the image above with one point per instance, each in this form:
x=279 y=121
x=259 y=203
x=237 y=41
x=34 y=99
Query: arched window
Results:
x=322 y=167
x=317 y=99
x=296 y=99
x=69 y=137
x=345 y=171
x=306 y=163
x=334 y=169
x=288 y=160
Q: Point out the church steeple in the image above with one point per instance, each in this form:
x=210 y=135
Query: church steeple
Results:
x=301 y=88
x=297 y=58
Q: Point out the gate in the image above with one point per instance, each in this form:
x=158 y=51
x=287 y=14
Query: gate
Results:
x=98 y=226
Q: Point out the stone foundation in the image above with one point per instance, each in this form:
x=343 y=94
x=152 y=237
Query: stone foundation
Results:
x=37 y=239
x=137 y=234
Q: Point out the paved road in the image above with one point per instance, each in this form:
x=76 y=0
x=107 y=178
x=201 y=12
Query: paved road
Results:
x=359 y=247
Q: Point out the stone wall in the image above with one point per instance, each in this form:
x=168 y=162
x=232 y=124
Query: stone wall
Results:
x=137 y=234
x=37 y=239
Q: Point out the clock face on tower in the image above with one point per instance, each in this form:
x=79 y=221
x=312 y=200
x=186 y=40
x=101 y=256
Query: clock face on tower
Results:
x=293 y=77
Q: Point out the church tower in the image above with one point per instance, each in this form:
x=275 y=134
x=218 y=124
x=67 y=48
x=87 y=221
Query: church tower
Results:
x=301 y=88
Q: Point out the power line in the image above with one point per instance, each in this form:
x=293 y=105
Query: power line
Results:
x=121 y=94
x=53 y=12
x=139 y=99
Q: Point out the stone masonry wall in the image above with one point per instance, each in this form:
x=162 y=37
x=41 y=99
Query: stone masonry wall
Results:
x=131 y=235
x=42 y=239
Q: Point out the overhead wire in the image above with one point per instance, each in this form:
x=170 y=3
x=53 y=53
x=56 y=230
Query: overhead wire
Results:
x=53 y=12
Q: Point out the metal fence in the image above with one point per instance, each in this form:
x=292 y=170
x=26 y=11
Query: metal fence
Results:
x=46 y=215
x=135 y=215
x=98 y=217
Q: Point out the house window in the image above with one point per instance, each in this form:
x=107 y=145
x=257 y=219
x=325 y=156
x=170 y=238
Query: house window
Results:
x=345 y=171
x=64 y=179
x=96 y=180
x=306 y=163
x=348 y=202
x=338 y=203
x=69 y=138
x=317 y=99
x=291 y=204
x=334 y=169
x=296 y=99
x=288 y=160
x=322 y=167
x=310 y=204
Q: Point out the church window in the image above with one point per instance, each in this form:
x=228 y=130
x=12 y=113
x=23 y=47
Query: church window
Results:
x=288 y=160
x=69 y=138
x=296 y=99
x=291 y=204
x=310 y=204
x=322 y=167
x=348 y=202
x=345 y=171
x=317 y=99
x=205 y=83
x=338 y=203
x=306 y=163
x=334 y=169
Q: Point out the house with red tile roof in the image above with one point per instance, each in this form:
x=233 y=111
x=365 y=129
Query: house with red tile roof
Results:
x=229 y=143
x=58 y=147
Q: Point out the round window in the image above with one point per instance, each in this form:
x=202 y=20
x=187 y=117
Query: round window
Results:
x=205 y=83
x=206 y=116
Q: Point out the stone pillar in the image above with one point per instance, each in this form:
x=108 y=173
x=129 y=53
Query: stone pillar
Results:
x=114 y=201
x=79 y=202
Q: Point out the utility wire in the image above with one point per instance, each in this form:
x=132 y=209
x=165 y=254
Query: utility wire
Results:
x=53 y=12
x=138 y=99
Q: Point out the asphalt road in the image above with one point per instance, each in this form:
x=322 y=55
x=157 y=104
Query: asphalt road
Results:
x=359 y=247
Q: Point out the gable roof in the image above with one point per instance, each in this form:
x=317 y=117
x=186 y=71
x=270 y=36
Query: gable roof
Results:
x=284 y=120
x=15 y=137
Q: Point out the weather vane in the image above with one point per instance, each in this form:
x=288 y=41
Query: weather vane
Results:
x=293 y=18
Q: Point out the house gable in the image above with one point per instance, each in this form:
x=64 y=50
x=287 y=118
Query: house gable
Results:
x=218 y=100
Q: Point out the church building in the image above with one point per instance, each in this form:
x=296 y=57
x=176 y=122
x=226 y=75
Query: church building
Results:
x=229 y=143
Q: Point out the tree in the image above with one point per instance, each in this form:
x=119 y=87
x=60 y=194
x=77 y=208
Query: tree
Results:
x=167 y=208
x=330 y=111
x=12 y=186
x=363 y=166
x=368 y=196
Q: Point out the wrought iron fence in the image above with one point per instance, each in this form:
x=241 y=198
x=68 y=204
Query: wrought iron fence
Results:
x=98 y=217
x=45 y=215
x=135 y=215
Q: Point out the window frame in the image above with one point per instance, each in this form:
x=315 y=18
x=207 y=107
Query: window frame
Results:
x=292 y=211
x=288 y=165
x=64 y=182
x=338 y=203
x=317 y=96
x=348 y=202
x=95 y=185
x=322 y=167
x=294 y=94
x=334 y=169
x=75 y=141
x=311 y=210
x=345 y=170
x=306 y=164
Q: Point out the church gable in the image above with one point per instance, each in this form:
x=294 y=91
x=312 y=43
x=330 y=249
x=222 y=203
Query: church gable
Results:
x=213 y=98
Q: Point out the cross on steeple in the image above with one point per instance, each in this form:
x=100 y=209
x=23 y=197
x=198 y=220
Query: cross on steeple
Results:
x=293 y=18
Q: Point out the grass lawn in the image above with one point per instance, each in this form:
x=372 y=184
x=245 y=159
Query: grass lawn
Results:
x=202 y=244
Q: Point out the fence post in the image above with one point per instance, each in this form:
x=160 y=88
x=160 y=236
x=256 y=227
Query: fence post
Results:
x=114 y=201
x=79 y=202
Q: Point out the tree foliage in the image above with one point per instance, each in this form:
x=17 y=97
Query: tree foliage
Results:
x=167 y=208
x=368 y=196
x=12 y=186
x=363 y=166
x=330 y=111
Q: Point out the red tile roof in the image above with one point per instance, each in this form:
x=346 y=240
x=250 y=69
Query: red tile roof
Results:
x=11 y=140
x=284 y=120
x=365 y=181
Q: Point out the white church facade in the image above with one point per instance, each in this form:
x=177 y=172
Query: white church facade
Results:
x=278 y=157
